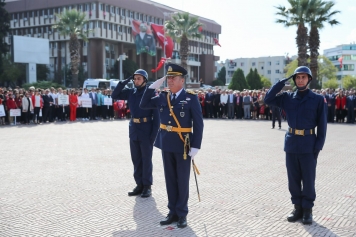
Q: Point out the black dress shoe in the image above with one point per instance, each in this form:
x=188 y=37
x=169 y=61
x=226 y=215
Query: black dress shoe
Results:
x=169 y=219
x=136 y=191
x=272 y=127
x=182 y=222
x=296 y=214
x=146 y=191
x=307 y=216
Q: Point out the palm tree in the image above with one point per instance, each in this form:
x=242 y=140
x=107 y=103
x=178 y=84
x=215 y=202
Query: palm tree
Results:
x=296 y=15
x=318 y=17
x=181 y=28
x=72 y=23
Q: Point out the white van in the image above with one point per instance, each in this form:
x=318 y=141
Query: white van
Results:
x=103 y=84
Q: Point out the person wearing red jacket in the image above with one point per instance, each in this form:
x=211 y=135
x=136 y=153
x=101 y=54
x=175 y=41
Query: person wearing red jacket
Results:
x=340 y=106
x=37 y=105
x=10 y=104
x=73 y=104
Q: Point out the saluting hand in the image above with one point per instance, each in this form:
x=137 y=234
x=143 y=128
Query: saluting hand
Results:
x=157 y=83
x=127 y=80
x=286 y=79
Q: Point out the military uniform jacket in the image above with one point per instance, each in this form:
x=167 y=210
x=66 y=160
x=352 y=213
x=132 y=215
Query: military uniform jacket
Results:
x=188 y=112
x=143 y=130
x=308 y=112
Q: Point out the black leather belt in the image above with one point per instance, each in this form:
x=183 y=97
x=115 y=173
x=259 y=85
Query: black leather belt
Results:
x=301 y=132
x=140 y=120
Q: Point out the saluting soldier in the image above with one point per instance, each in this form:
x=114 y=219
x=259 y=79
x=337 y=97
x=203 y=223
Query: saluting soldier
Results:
x=143 y=129
x=305 y=111
x=181 y=120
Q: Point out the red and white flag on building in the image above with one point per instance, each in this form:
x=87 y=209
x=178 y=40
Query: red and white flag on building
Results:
x=340 y=61
x=158 y=31
x=216 y=41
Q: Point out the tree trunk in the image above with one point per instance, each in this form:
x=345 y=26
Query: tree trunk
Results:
x=302 y=40
x=314 y=42
x=74 y=47
x=183 y=51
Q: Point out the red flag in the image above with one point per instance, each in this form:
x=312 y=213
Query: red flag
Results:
x=216 y=41
x=340 y=61
x=158 y=30
x=159 y=66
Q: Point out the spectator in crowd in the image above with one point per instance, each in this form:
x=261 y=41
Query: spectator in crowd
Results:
x=231 y=105
x=100 y=104
x=238 y=107
x=27 y=108
x=47 y=104
x=255 y=105
x=262 y=105
x=209 y=97
x=217 y=104
x=247 y=101
x=37 y=105
x=10 y=104
x=340 y=105
x=223 y=102
x=18 y=101
x=330 y=99
x=73 y=105
x=86 y=111
x=94 y=102
x=201 y=97
x=351 y=107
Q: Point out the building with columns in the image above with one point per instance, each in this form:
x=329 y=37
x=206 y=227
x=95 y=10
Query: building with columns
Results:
x=110 y=35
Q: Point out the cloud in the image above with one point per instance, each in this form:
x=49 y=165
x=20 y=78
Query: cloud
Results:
x=352 y=9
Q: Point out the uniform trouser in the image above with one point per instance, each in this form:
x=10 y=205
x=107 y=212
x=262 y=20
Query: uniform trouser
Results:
x=350 y=115
x=230 y=110
x=276 y=115
x=141 y=155
x=247 y=112
x=177 y=173
x=301 y=170
x=45 y=113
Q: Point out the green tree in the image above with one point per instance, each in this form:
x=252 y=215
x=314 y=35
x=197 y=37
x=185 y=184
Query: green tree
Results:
x=332 y=84
x=72 y=23
x=256 y=80
x=295 y=15
x=218 y=82
x=249 y=78
x=42 y=72
x=181 y=28
x=4 y=30
x=82 y=75
x=266 y=83
x=349 y=82
x=222 y=75
x=128 y=68
x=238 y=81
x=13 y=72
x=317 y=17
x=42 y=85
x=326 y=69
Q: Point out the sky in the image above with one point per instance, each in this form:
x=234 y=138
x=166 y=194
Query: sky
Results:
x=248 y=27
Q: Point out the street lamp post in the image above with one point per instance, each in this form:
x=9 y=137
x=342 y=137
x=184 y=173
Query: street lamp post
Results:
x=120 y=58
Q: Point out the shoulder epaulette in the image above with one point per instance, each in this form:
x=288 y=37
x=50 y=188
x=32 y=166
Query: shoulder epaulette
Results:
x=191 y=92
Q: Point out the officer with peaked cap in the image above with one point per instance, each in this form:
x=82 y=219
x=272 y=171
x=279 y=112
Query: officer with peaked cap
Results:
x=181 y=120
x=305 y=111
x=143 y=129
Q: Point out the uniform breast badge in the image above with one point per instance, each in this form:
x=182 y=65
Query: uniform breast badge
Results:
x=182 y=114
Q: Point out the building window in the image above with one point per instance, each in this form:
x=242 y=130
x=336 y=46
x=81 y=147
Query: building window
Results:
x=277 y=62
x=107 y=8
x=120 y=28
x=105 y=25
x=113 y=10
x=118 y=11
x=101 y=7
x=150 y=19
x=141 y=17
x=262 y=68
x=131 y=14
x=268 y=71
x=253 y=64
x=242 y=64
x=93 y=6
x=110 y=26
x=270 y=63
x=277 y=71
x=123 y=12
x=115 y=27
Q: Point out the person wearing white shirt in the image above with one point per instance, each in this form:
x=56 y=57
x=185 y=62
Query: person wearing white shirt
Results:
x=223 y=101
x=85 y=95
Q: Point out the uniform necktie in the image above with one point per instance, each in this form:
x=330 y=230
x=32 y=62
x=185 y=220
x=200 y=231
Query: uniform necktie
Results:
x=173 y=99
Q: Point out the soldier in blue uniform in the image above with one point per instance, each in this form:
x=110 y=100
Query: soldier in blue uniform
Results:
x=143 y=129
x=181 y=120
x=305 y=111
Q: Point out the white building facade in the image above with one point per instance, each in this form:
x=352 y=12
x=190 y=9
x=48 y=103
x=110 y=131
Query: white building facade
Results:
x=272 y=67
x=348 y=54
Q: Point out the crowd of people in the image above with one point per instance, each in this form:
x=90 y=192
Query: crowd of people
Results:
x=42 y=105
x=249 y=104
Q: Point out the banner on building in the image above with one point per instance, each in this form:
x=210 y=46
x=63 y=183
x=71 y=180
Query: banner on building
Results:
x=165 y=42
x=144 y=39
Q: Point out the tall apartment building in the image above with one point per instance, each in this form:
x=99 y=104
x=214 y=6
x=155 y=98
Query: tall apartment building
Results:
x=110 y=36
x=348 y=54
x=270 y=67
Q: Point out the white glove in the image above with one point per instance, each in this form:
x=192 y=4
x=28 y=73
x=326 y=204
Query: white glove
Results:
x=157 y=83
x=193 y=152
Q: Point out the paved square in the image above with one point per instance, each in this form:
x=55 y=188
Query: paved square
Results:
x=72 y=179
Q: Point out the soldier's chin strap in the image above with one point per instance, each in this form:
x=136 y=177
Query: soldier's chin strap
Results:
x=142 y=85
